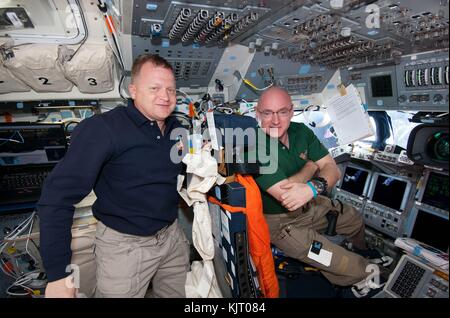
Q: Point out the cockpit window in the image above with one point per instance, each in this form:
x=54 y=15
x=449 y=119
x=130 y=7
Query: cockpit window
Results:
x=325 y=134
x=402 y=127
x=397 y=132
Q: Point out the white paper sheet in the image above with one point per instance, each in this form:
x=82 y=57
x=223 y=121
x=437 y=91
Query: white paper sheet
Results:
x=350 y=120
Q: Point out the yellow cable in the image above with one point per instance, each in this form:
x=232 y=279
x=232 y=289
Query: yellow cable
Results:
x=249 y=83
x=246 y=81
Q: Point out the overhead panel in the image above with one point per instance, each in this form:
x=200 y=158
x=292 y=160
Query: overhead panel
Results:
x=290 y=37
x=297 y=78
x=193 y=35
x=356 y=33
x=193 y=67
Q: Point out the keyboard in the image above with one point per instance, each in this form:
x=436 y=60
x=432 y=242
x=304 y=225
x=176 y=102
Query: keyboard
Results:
x=408 y=280
x=22 y=184
x=23 y=181
x=413 y=279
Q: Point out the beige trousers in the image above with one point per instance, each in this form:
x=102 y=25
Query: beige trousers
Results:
x=126 y=264
x=294 y=232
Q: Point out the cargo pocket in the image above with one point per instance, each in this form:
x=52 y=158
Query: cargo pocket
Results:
x=118 y=266
x=185 y=244
x=293 y=241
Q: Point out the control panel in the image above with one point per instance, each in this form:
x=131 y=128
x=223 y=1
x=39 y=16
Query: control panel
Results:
x=303 y=43
x=423 y=81
x=412 y=278
x=418 y=82
x=191 y=35
x=203 y=24
x=303 y=84
x=386 y=157
x=339 y=34
x=356 y=201
x=436 y=287
x=298 y=79
x=384 y=219
x=400 y=159
x=385 y=200
x=378 y=85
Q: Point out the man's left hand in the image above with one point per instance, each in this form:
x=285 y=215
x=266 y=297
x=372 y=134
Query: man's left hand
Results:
x=296 y=195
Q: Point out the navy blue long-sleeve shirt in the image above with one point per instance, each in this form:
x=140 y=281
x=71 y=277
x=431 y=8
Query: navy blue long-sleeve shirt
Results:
x=126 y=160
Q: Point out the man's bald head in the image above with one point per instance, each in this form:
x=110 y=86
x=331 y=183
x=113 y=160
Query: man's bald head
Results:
x=273 y=96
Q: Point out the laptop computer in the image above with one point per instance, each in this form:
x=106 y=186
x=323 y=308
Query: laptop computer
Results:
x=28 y=152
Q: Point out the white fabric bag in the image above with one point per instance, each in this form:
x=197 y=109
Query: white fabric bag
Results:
x=91 y=69
x=9 y=83
x=39 y=67
x=202 y=169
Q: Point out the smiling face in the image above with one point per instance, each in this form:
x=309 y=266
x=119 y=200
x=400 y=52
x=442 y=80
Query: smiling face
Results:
x=275 y=111
x=154 y=91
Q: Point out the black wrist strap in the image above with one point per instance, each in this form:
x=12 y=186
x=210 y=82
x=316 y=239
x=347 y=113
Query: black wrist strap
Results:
x=323 y=182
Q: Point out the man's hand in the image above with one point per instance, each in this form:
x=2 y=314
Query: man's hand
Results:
x=295 y=195
x=59 y=289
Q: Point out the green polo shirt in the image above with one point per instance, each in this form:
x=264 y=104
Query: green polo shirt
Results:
x=303 y=146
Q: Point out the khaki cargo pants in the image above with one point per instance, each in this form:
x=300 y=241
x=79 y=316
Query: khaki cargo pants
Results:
x=294 y=232
x=127 y=263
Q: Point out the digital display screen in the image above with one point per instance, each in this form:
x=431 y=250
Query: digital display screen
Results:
x=22 y=144
x=389 y=192
x=436 y=191
x=381 y=86
x=354 y=180
x=431 y=230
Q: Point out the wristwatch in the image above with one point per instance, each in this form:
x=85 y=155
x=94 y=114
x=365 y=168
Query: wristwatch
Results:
x=320 y=184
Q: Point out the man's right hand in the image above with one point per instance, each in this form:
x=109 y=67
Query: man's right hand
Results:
x=296 y=195
x=59 y=289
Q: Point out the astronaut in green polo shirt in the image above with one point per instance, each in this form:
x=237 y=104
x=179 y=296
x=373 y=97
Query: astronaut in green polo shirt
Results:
x=293 y=207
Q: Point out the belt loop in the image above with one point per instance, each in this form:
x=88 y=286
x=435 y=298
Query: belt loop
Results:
x=158 y=234
x=161 y=232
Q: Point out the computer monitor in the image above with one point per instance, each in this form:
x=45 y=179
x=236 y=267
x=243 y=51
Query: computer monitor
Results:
x=390 y=191
x=31 y=143
x=355 y=180
x=431 y=229
x=436 y=191
x=381 y=86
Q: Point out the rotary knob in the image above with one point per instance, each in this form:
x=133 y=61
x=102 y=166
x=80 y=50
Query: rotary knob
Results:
x=437 y=98
x=401 y=99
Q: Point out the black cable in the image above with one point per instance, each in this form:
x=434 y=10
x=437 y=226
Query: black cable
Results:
x=120 y=87
x=35 y=245
x=67 y=125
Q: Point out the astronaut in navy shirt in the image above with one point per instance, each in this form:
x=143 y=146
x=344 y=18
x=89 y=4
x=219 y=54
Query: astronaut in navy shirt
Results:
x=124 y=156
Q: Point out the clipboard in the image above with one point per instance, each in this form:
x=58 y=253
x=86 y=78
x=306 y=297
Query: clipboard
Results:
x=342 y=90
x=350 y=120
